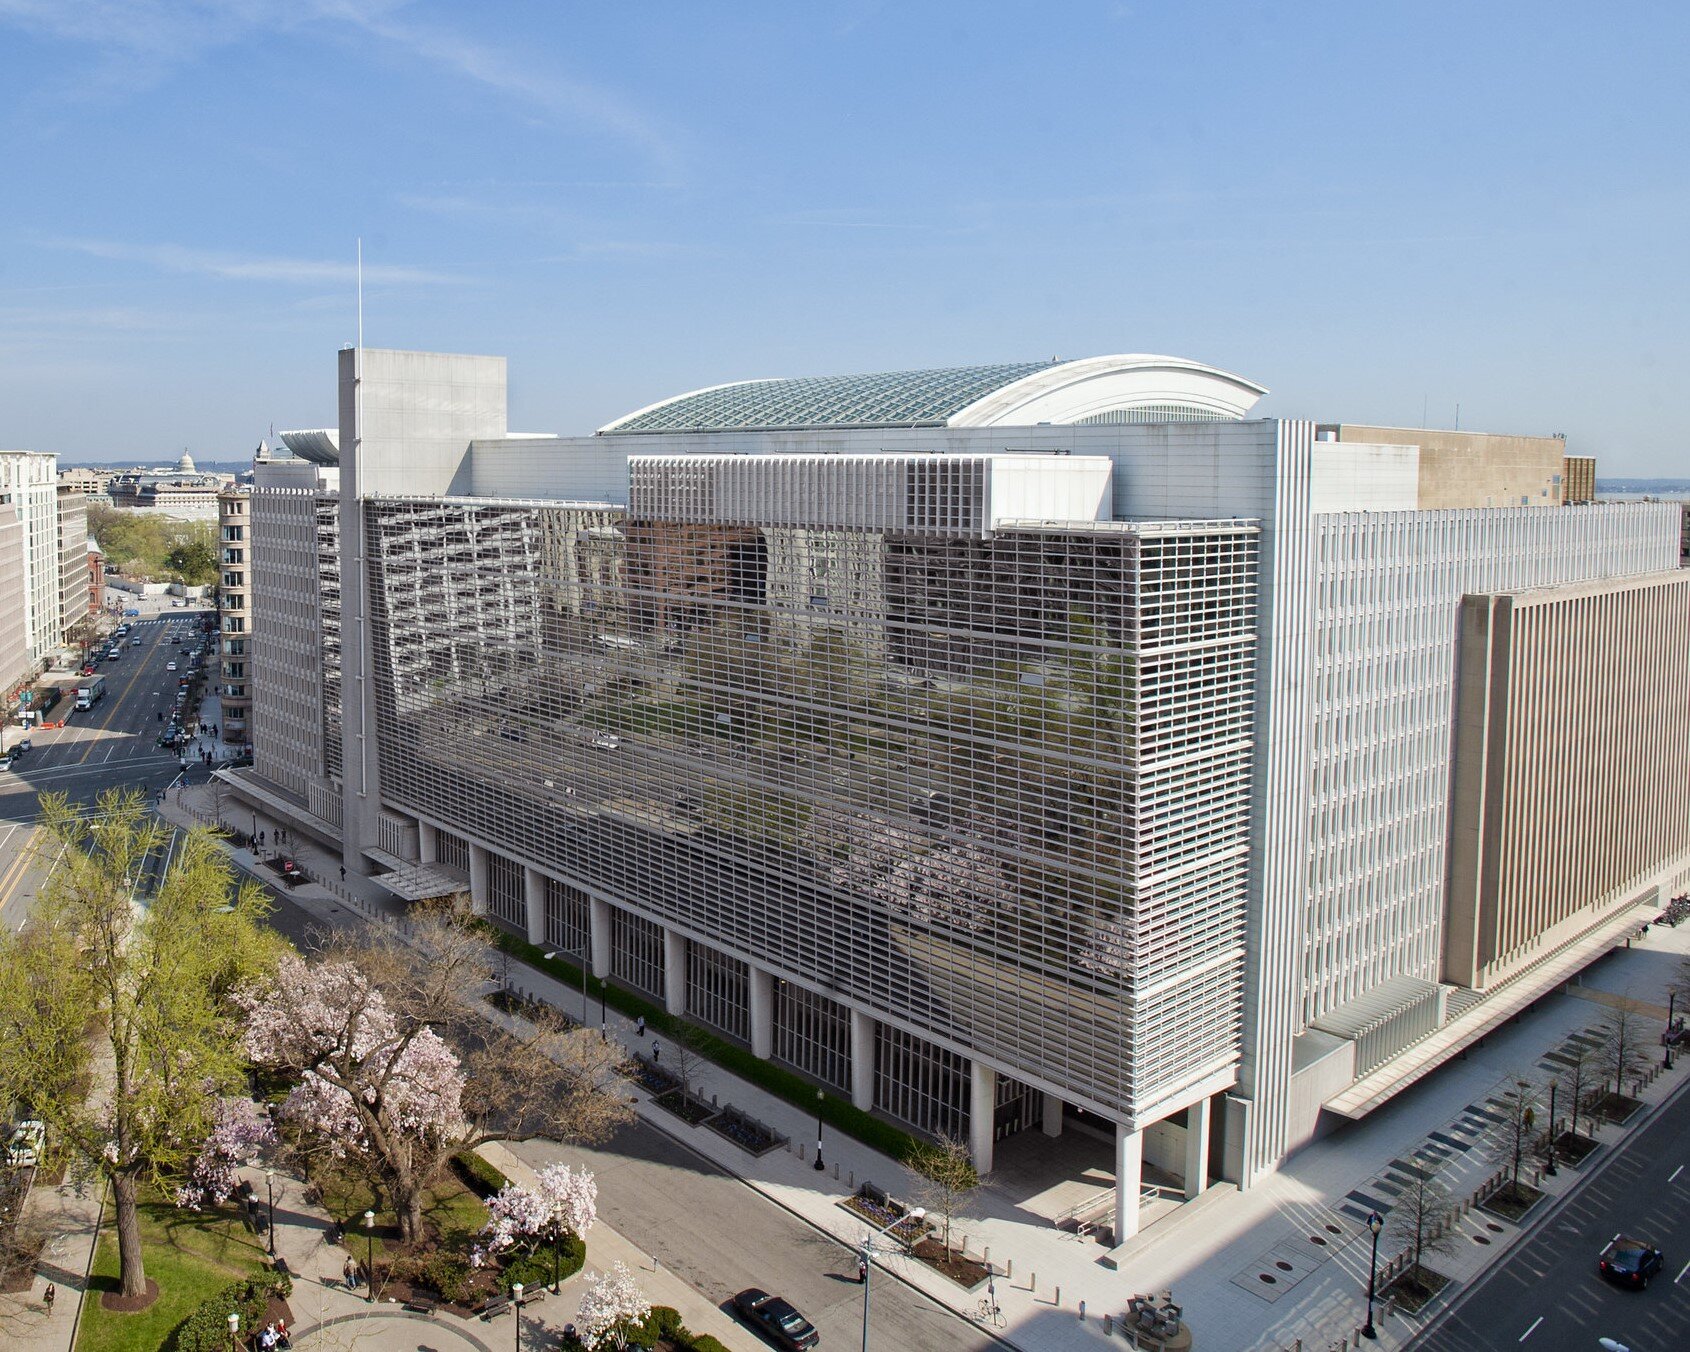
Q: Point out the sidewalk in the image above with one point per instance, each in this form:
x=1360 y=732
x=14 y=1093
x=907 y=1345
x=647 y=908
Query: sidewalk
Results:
x=1215 y=1256
x=71 y=1218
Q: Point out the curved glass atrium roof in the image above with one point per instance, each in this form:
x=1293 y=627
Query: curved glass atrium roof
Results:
x=880 y=399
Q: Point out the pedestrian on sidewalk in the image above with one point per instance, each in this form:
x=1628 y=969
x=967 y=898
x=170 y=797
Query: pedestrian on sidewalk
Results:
x=639 y=1026
x=350 y=1272
x=49 y=1296
x=862 y=1270
x=343 y=873
x=656 y=1051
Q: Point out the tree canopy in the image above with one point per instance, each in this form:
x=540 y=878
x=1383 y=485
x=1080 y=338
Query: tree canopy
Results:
x=148 y=545
x=115 y=1000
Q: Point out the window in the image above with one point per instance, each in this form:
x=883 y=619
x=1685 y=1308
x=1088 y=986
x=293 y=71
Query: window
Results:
x=813 y=1033
x=636 y=951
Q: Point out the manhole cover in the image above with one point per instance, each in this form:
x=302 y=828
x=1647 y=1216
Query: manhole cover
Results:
x=1493 y=1227
x=1268 y=1277
x=1481 y=1239
x=1316 y=1239
x=1333 y=1229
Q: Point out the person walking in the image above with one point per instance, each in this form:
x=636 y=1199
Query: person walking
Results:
x=639 y=1026
x=49 y=1296
x=350 y=1271
x=343 y=873
x=656 y=1051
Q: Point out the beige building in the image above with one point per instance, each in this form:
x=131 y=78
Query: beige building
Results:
x=234 y=602
x=16 y=667
x=1473 y=469
x=1572 y=752
x=1578 y=480
x=73 y=560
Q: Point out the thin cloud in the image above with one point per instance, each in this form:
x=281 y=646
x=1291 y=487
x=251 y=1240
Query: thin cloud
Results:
x=250 y=267
x=157 y=36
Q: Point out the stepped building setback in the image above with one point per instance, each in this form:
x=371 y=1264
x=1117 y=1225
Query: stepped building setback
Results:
x=1031 y=748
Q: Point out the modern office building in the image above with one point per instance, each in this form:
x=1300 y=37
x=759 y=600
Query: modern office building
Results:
x=73 y=560
x=17 y=668
x=1009 y=748
x=234 y=613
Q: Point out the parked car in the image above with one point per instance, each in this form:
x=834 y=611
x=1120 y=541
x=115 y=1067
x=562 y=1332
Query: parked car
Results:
x=27 y=1142
x=132 y=610
x=170 y=666
x=87 y=669
x=776 y=1320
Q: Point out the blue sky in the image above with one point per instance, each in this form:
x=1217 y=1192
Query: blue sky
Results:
x=1372 y=209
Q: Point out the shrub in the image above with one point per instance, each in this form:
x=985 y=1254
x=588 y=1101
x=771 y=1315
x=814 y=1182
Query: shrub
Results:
x=664 y=1321
x=449 y=1275
x=704 y=1342
x=476 y=1174
x=535 y=1269
x=207 y=1328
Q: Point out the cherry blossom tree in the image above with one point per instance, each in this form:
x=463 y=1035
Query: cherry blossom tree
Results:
x=562 y=1202
x=239 y=1130
x=396 y=1067
x=611 y=1307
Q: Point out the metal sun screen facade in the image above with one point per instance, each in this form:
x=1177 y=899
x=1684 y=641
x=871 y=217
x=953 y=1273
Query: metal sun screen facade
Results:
x=990 y=785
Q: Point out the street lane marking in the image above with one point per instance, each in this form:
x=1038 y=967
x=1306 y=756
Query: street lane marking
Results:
x=1675 y=1173
x=1528 y=1333
x=1681 y=1271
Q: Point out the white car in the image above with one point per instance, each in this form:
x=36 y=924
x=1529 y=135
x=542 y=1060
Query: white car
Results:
x=170 y=666
x=27 y=1143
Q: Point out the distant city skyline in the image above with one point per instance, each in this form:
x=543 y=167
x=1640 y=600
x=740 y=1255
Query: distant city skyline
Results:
x=1382 y=215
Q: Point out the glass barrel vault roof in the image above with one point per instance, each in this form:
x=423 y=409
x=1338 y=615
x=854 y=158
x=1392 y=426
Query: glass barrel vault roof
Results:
x=879 y=399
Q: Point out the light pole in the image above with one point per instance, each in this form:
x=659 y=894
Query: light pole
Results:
x=866 y=1252
x=1375 y=1223
x=370 y=1263
x=270 y=1187
x=1666 y=1040
x=819 y=1097
x=1550 y=1170
x=516 y=1300
x=234 y=1330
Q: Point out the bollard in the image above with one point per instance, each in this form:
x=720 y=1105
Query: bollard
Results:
x=836 y=1171
x=986 y=1257
x=1108 y=1324
x=851 y=1179
x=1008 y=1268
x=800 y=1152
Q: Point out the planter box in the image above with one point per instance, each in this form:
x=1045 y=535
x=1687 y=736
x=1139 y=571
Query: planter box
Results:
x=744 y=1131
x=691 y=1109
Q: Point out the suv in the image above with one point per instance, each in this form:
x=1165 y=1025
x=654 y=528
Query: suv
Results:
x=1630 y=1262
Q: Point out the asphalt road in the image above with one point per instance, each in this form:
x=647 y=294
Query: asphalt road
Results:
x=720 y=1237
x=111 y=745
x=1546 y=1296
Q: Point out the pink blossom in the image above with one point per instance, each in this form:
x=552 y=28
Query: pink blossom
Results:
x=239 y=1130
x=563 y=1201
x=610 y=1307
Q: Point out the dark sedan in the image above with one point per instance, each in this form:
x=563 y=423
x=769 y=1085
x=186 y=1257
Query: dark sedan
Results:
x=776 y=1320
x=1630 y=1262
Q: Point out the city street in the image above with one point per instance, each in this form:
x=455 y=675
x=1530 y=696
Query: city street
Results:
x=112 y=745
x=1546 y=1295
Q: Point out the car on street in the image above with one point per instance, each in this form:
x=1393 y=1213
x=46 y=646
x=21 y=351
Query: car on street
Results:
x=170 y=666
x=87 y=669
x=27 y=1142
x=1629 y=1262
x=776 y=1320
x=132 y=611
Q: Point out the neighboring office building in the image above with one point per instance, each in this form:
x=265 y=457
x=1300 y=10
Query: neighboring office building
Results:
x=234 y=607
x=182 y=492
x=29 y=483
x=1578 y=481
x=17 y=667
x=785 y=702
x=73 y=560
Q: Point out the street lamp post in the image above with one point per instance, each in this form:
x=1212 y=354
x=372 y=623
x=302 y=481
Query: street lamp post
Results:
x=234 y=1330
x=516 y=1300
x=819 y=1097
x=270 y=1187
x=865 y=1256
x=370 y=1263
x=1375 y=1223
x=1666 y=1041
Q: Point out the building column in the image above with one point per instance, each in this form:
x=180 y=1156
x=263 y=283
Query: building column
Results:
x=598 y=935
x=428 y=843
x=982 y=1114
x=864 y=1029
x=1129 y=1177
x=1051 y=1124
x=1196 y=1149
x=760 y=993
x=675 y=949
x=534 y=900
x=478 y=879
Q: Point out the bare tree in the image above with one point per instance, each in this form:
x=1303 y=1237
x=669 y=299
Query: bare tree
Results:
x=1421 y=1220
x=1511 y=1138
x=688 y=1058
x=948 y=1178
x=1621 y=1051
x=1577 y=1078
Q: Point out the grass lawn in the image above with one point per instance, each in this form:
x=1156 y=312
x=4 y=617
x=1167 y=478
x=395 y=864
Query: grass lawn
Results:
x=450 y=1210
x=191 y=1255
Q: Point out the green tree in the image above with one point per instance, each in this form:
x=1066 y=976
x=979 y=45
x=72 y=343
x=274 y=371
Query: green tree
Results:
x=115 y=1008
x=193 y=558
x=947 y=1179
